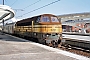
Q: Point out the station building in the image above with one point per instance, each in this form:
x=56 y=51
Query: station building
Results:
x=75 y=22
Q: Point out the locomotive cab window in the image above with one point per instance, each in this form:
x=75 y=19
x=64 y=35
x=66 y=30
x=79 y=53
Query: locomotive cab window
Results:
x=45 y=19
x=54 y=19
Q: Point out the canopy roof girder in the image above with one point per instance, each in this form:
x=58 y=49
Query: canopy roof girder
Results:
x=6 y=13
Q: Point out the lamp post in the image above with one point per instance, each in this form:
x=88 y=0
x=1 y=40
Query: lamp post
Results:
x=3 y=2
x=3 y=21
x=3 y=25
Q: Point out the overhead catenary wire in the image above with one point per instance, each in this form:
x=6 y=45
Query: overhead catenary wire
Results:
x=14 y=2
x=31 y=4
x=39 y=8
x=27 y=6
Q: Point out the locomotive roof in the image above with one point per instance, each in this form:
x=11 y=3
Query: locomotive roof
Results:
x=31 y=18
x=27 y=20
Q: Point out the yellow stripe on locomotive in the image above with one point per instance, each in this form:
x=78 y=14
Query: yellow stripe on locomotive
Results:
x=43 y=28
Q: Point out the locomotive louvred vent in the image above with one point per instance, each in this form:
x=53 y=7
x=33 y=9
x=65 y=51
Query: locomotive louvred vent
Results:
x=53 y=35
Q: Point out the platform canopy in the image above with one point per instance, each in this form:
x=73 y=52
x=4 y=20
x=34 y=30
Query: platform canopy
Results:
x=6 y=13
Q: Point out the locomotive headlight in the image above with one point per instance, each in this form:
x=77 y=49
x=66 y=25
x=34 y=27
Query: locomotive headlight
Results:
x=47 y=35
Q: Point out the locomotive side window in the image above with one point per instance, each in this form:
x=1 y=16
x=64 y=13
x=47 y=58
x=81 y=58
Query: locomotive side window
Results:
x=54 y=19
x=38 y=19
x=45 y=19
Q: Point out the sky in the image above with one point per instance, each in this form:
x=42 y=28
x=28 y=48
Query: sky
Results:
x=24 y=8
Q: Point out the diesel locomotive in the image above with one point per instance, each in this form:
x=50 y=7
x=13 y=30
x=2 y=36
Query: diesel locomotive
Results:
x=45 y=28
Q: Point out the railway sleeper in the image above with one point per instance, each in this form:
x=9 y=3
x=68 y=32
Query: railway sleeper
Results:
x=77 y=48
x=81 y=45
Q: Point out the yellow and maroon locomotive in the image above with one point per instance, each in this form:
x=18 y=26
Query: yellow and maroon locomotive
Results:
x=45 y=28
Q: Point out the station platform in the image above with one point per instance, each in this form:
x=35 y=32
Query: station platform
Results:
x=77 y=36
x=14 y=48
x=76 y=33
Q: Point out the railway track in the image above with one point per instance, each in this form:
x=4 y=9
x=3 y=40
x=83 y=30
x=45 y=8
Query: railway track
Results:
x=76 y=51
x=78 y=44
